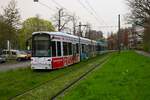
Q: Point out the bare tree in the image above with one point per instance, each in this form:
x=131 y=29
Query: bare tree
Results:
x=75 y=23
x=140 y=12
x=63 y=17
x=140 y=15
x=62 y=20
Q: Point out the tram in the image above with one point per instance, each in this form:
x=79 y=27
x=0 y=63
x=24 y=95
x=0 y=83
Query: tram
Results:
x=54 y=50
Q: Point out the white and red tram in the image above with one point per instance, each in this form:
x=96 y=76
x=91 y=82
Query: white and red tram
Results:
x=53 y=50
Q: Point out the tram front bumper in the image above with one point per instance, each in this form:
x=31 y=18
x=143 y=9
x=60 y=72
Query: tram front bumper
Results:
x=41 y=63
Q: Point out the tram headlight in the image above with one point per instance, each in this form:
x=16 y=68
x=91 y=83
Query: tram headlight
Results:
x=49 y=60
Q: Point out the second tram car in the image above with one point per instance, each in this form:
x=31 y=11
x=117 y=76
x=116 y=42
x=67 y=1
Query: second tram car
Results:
x=53 y=50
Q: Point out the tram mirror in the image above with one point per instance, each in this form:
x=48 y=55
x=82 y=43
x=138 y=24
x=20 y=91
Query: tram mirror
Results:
x=52 y=37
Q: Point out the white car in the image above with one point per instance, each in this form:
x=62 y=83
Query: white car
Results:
x=14 y=54
x=2 y=59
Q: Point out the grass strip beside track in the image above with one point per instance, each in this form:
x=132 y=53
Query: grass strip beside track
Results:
x=16 y=82
x=79 y=78
x=48 y=90
x=125 y=76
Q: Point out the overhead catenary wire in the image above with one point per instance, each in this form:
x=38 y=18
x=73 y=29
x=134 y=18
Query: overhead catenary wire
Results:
x=57 y=4
x=88 y=10
x=93 y=12
x=97 y=16
x=46 y=6
x=113 y=26
x=62 y=7
x=59 y=7
x=85 y=7
x=88 y=7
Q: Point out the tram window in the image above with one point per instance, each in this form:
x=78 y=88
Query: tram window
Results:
x=53 y=48
x=83 y=48
x=86 y=49
x=70 y=48
x=65 y=48
x=74 y=49
x=89 y=47
x=14 y=53
x=94 y=47
x=97 y=48
x=58 y=49
x=41 y=45
x=77 y=48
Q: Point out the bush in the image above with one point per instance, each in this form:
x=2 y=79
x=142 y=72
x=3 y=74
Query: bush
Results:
x=146 y=48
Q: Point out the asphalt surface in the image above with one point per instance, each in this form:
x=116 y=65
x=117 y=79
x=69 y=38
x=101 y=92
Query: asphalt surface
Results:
x=8 y=66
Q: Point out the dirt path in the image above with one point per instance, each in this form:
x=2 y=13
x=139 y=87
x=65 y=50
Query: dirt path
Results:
x=143 y=53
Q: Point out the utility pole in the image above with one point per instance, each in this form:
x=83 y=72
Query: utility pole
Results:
x=119 y=34
x=89 y=30
x=79 y=38
x=74 y=25
x=59 y=19
x=59 y=16
x=80 y=26
x=80 y=33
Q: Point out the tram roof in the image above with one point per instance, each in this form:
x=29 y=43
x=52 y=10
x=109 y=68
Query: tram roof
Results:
x=62 y=34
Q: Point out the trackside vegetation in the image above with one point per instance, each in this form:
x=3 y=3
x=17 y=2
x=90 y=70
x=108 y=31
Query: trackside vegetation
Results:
x=125 y=76
x=15 y=84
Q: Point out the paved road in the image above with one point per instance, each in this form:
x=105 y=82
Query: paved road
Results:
x=5 y=66
x=143 y=53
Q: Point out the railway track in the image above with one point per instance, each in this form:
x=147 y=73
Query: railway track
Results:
x=78 y=79
x=60 y=76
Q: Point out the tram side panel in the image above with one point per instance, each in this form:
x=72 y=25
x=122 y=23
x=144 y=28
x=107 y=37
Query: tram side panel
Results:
x=67 y=57
x=61 y=51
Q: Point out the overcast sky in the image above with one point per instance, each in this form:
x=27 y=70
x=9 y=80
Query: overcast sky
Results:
x=97 y=12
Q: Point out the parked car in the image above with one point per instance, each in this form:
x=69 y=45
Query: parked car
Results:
x=21 y=55
x=0 y=51
x=14 y=54
x=2 y=59
x=29 y=54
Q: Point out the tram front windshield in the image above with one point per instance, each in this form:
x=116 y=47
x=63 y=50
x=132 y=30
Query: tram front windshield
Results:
x=41 y=45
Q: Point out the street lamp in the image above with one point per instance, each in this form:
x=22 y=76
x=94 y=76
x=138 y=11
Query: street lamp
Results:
x=36 y=0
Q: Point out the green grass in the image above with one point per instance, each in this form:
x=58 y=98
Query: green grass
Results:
x=14 y=82
x=125 y=76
